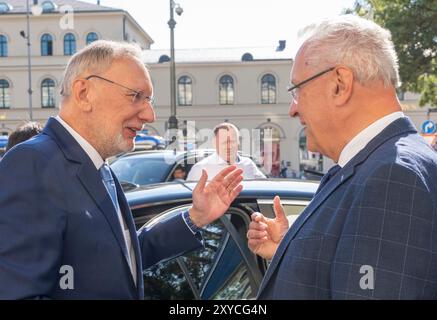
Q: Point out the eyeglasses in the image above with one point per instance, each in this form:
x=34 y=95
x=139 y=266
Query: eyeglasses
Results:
x=293 y=89
x=137 y=97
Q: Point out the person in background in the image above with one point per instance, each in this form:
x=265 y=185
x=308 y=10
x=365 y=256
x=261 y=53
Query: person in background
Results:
x=227 y=141
x=23 y=133
x=179 y=173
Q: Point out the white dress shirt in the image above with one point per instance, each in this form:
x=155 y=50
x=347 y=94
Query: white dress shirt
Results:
x=213 y=164
x=98 y=162
x=359 y=142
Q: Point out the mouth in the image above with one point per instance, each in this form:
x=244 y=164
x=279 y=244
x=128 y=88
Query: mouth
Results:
x=132 y=131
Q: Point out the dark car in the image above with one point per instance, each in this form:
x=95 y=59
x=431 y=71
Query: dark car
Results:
x=148 y=167
x=225 y=268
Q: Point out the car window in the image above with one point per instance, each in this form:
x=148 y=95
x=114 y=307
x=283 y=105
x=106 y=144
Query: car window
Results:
x=218 y=271
x=292 y=208
x=166 y=281
x=140 y=171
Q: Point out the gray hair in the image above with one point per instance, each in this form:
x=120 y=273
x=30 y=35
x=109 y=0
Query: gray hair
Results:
x=96 y=57
x=360 y=44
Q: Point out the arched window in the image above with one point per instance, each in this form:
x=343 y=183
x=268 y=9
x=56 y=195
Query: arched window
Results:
x=5 y=7
x=5 y=96
x=69 y=44
x=91 y=37
x=46 y=45
x=268 y=89
x=3 y=46
x=48 y=93
x=48 y=6
x=226 y=90
x=185 y=91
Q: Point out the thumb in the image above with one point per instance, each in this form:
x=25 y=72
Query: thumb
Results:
x=202 y=181
x=279 y=209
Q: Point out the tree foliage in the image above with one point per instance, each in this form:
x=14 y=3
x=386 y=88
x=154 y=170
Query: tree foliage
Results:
x=413 y=25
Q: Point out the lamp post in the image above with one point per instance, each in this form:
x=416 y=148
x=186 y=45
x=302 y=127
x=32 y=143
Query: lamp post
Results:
x=173 y=121
x=26 y=35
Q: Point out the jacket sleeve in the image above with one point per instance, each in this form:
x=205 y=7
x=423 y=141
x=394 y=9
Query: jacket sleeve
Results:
x=31 y=226
x=387 y=248
x=166 y=240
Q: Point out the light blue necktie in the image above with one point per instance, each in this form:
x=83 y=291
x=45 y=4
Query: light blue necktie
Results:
x=105 y=172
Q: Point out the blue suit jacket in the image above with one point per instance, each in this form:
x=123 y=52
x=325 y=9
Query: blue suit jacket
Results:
x=371 y=232
x=55 y=211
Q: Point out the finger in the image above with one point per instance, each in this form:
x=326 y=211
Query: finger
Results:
x=255 y=234
x=260 y=226
x=232 y=176
x=256 y=216
x=235 y=183
x=222 y=174
x=234 y=193
x=279 y=209
x=202 y=181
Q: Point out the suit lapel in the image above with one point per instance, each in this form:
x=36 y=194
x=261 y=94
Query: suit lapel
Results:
x=88 y=176
x=92 y=182
x=399 y=126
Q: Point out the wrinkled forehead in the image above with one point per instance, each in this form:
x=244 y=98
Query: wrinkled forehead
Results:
x=299 y=67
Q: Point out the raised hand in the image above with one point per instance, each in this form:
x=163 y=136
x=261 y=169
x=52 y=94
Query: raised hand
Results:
x=265 y=234
x=212 y=200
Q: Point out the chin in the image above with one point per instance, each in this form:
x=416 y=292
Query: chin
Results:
x=122 y=144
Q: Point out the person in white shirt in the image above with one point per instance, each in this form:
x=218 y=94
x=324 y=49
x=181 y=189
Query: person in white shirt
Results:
x=226 y=139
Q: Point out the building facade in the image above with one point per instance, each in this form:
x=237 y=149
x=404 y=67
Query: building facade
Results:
x=245 y=86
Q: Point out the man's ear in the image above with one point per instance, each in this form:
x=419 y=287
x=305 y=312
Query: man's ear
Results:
x=81 y=94
x=342 y=85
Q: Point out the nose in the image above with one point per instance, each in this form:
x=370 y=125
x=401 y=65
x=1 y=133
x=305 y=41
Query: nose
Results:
x=147 y=113
x=293 y=110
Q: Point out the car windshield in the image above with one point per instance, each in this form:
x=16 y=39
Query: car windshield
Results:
x=140 y=172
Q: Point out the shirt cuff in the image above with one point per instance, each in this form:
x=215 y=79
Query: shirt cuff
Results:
x=190 y=224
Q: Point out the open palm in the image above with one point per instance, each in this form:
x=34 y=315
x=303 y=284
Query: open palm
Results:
x=212 y=200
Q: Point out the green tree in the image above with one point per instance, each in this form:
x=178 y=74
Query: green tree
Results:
x=413 y=25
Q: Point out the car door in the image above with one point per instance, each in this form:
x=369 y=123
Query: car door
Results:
x=224 y=269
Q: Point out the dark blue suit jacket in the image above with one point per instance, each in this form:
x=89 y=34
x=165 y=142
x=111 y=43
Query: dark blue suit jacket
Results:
x=371 y=232
x=55 y=211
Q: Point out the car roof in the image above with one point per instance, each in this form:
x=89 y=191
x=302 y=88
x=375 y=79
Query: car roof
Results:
x=263 y=189
x=170 y=155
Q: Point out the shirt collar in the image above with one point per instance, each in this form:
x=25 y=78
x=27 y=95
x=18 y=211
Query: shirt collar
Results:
x=220 y=160
x=85 y=145
x=363 y=138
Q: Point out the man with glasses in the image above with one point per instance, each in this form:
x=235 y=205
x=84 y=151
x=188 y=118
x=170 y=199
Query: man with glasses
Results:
x=65 y=226
x=370 y=231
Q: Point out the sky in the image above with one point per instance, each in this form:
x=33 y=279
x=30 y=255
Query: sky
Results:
x=228 y=23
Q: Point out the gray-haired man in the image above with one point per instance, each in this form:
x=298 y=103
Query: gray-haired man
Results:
x=61 y=207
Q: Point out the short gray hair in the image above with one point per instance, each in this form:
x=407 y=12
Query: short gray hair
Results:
x=96 y=57
x=360 y=44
